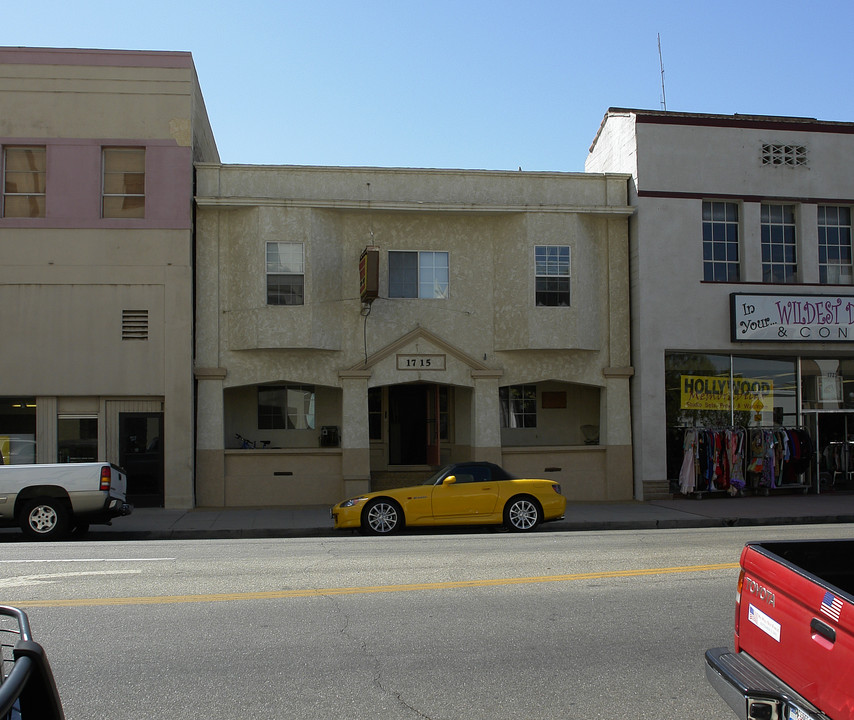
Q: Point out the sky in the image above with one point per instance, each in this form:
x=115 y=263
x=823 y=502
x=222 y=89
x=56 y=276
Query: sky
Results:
x=472 y=84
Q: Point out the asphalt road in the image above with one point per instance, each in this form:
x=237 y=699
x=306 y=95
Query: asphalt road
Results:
x=493 y=626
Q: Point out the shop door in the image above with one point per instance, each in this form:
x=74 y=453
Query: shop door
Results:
x=141 y=456
x=834 y=439
x=407 y=428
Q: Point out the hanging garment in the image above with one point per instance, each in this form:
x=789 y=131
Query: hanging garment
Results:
x=735 y=443
x=768 y=474
x=757 y=452
x=688 y=471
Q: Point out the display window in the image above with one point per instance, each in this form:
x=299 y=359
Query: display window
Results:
x=727 y=394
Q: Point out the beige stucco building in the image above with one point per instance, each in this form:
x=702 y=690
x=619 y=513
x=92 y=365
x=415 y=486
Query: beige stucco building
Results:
x=96 y=284
x=492 y=323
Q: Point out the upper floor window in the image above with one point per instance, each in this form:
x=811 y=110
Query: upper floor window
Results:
x=421 y=274
x=24 y=171
x=286 y=407
x=779 y=256
x=123 y=191
x=834 y=245
x=518 y=406
x=551 y=272
x=720 y=242
x=285 y=274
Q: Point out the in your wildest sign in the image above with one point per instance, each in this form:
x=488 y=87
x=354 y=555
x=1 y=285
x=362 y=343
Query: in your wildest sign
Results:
x=792 y=318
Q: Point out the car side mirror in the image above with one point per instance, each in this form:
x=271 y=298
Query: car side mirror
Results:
x=450 y=480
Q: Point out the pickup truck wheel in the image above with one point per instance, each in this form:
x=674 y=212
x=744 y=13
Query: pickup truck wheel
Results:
x=45 y=519
x=522 y=514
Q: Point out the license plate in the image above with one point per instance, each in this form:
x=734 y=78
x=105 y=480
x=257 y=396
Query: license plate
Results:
x=795 y=713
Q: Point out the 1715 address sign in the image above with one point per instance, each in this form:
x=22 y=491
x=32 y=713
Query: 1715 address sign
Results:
x=420 y=362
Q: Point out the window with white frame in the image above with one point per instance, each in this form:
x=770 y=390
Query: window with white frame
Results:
x=123 y=189
x=418 y=274
x=720 y=242
x=286 y=407
x=518 y=406
x=285 y=273
x=779 y=249
x=834 y=245
x=24 y=175
x=552 y=273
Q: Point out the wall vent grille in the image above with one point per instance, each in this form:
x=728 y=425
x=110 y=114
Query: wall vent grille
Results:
x=784 y=155
x=134 y=324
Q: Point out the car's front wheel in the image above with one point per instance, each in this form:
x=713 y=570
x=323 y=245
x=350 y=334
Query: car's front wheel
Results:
x=45 y=519
x=522 y=514
x=382 y=517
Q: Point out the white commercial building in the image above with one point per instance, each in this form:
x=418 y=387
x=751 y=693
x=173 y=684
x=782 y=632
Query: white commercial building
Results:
x=742 y=298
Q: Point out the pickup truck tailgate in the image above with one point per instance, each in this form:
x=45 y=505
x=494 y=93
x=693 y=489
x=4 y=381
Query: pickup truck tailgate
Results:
x=798 y=625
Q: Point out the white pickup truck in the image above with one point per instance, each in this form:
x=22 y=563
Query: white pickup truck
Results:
x=50 y=501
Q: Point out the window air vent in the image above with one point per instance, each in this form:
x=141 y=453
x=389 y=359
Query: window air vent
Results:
x=784 y=155
x=134 y=324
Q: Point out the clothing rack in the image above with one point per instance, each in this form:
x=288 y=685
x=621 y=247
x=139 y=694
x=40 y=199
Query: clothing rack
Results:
x=733 y=459
x=837 y=461
x=713 y=461
x=779 y=459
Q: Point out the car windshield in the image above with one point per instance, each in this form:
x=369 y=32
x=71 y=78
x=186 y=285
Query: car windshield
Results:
x=434 y=478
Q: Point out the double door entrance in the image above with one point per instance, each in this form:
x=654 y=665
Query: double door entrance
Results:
x=418 y=423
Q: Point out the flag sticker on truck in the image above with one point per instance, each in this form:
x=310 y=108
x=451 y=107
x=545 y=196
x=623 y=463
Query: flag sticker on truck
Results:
x=764 y=622
x=831 y=606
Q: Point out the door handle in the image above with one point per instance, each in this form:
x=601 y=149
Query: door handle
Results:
x=822 y=633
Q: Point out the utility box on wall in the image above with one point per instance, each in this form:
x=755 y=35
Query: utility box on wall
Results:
x=329 y=436
x=369 y=274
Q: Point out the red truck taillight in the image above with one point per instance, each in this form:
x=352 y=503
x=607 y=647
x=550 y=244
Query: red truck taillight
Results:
x=106 y=477
x=738 y=606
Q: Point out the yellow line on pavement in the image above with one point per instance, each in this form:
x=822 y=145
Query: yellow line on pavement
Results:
x=326 y=592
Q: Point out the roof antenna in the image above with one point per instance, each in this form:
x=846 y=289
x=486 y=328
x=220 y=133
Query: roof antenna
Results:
x=661 y=65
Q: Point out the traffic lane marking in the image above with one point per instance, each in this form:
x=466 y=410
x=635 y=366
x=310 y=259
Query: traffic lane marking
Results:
x=326 y=592
x=59 y=561
x=47 y=578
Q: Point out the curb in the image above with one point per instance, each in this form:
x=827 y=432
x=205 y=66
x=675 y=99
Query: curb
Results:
x=561 y=526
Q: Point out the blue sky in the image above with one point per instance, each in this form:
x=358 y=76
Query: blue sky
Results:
x=468 y=83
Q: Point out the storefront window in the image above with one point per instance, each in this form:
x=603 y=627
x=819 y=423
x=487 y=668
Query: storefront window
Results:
x=765 y=391
x=719 y=391
x=827 y=384
x=697 y=390
x=17 y=431
x=77 y=439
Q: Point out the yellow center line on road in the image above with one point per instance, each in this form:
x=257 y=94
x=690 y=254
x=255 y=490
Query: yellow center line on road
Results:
x=326 y=592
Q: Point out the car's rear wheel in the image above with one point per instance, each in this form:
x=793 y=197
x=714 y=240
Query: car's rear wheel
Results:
x=382 y=517
x=522 y=514
x=45 y=519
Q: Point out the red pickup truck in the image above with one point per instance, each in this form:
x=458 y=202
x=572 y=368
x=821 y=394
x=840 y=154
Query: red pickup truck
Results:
x=794 y=633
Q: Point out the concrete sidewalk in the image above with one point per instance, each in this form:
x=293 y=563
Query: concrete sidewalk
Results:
x=315 y=521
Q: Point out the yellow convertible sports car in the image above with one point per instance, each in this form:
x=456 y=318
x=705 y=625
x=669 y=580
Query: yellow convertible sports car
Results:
x=469 y=493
